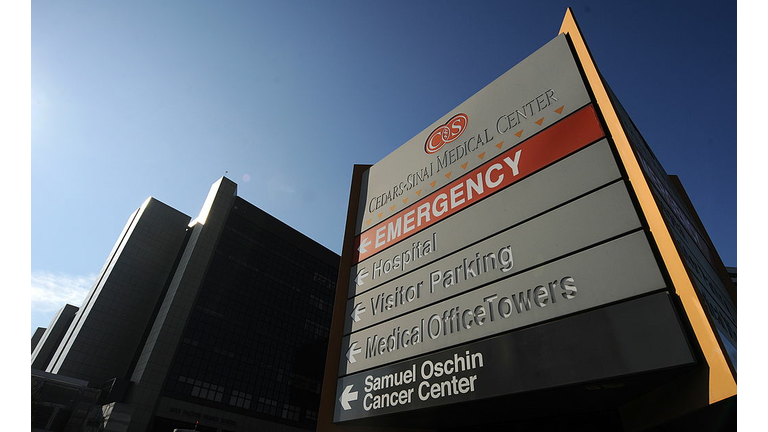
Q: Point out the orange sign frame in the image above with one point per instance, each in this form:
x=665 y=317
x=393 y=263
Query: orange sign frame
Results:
x=722 y=381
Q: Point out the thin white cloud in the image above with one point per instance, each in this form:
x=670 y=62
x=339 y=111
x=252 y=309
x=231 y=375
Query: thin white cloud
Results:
x=51 y=291
x=279 y=187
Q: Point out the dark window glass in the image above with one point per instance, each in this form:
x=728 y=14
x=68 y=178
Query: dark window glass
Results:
x=256 y=339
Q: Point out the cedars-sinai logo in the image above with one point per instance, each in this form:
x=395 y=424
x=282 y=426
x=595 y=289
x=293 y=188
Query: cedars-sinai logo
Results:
x=446 y=133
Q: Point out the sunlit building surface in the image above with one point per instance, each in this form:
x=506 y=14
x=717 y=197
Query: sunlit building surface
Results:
x=219 y=324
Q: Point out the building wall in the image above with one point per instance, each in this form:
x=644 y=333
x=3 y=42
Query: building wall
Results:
x=44 y=349
x=242 y=331
x=256 y=338
x=101 y=342
x=222 y=321
x=157 y=353
x=37 y=336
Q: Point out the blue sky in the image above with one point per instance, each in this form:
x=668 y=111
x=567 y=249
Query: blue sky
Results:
x=137 y=99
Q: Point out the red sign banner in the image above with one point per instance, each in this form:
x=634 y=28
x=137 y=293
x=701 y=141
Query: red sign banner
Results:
x=548 y=146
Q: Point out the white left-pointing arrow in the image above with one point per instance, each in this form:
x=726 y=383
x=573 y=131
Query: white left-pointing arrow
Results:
x=352 y=351
x=359 y=308
x=364 y=245
x=360 y=276
x=347 y=396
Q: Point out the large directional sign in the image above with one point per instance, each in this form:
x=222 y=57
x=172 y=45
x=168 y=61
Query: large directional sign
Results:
x=508 y=212
x=513 y=248
x=585 y=170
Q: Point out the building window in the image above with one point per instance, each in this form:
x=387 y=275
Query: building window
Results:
x=240 y=399
x=291 y=412
x=267 y=406
x=204 y=390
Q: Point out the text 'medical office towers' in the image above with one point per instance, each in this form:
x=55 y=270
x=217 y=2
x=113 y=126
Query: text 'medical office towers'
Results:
x=221 y=322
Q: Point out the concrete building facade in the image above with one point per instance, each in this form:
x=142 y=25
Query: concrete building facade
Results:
x=219 y=323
